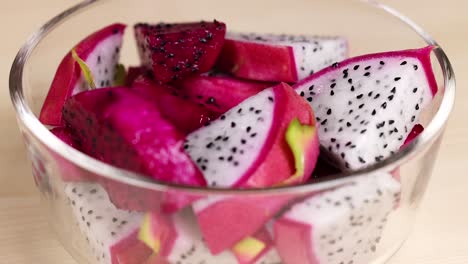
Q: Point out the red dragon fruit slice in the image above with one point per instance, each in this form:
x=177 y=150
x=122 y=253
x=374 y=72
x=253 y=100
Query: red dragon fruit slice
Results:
x=286 y=58
x=177 y=239
x=219 y=92
x=246 y=146
x=367 y=105
x=121 y=128
x=175 y=51
x=133 y=73
x=417 y=129
x=183 y=113
x=343 y=225
x=110 y=232
x=101 y=52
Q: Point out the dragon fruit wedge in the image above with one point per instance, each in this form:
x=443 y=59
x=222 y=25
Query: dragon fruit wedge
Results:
x=172 y=104
x=119 y=127
x=343 y=225
x=246 y=146
x=111 y=233
x=219 y=92
x=175 y=51
x=176 y=239
x=101 y=52
x=286 y=58
x=366 y=106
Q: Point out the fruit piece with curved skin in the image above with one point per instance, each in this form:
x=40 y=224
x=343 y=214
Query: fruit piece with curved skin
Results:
x=247 y=144
x=123 y=129
x=367 y=105
x=183 y=113
x=281 y=58
x=178 y=240
x=219 y=92
x=339 y=225
x=111 y=233
x=100 y=51
x=175 y=51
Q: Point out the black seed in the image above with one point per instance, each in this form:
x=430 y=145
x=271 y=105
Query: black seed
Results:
x=341 y=120
x=209 y=145
x=311 y=87
x=416 y=107
x=335 y=65
x=385 y=146
x=356 y=67
x=369 y=94
x=248 y=129
x=363 y=131
x=379 y=125
x=347 y=165
x=221 y=158
x=367 y=68
x=343 y=155
x=329 y=111
x=225 y=139
x=415 y=67
x=332 y=93
x=323 y=122
x=403 y=63
x=381 y=134
x=243 y=141
x=239 y=111
x=350 y=102
x=382 y=63
x=340 y=129
x=302 y=94
x=397 y=79
x=329 y=148
x=229 y=158
x=99 y=59
x=350 y=81
x=361 y=160
x=223 y=117
x=350 y=111
x=377 y=96
x=359 y=96
x=251 y=109
x=258 y=111
x=348 y=144
x=270 y=98
x=253 y=135
x=390 y=97
x=333 y=139
x=361 y=106
x=373 y=112
x=384 y=105
x=203 y=167
x=233 y=124
x=310 y=99
x=348 y=124
x=333 y=85
x=337 y=145
x=236 y=163
x=413 y=118
x=367 y=74
x=352 y=89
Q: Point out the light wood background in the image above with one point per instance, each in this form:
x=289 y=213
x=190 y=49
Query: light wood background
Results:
x=441 y=232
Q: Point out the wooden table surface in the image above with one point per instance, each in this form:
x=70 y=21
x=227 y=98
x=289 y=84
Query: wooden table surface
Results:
x=441 y=232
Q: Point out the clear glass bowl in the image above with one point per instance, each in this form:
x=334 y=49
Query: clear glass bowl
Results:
x=59 y=169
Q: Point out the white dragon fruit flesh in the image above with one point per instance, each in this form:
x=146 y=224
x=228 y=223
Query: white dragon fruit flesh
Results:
x=343 y=225
x=287 y=58
x=366 y=106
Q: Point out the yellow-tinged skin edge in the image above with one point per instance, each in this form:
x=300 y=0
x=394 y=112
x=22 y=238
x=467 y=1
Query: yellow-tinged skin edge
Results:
x=145 y=234
x=297 y=136
x=120 y=75
x=85 y=69
x=249 y=248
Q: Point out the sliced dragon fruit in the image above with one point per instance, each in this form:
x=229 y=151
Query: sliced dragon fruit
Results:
x=255 y=249
x=119 y=127
x=176 y=239
x=133 y=73
x=367 y=105
x=246 y=146
x=111 y=233
x=101 y=52
x=417 y=129
x=219 y=92
x=186 y=115
x=175 y=51
x=286 y=58
x=343 y=225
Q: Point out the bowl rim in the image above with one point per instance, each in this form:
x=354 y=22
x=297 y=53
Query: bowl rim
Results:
x=28 y=120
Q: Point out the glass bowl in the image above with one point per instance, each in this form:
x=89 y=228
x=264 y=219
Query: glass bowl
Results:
x=82 y=195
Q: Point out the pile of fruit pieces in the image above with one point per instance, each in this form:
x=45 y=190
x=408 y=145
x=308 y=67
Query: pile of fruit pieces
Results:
x=218 y=109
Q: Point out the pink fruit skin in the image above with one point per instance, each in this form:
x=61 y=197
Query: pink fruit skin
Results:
x=247 y=60
x=275 y=162
x=68 y=73
x=294 y=232
x=242 y=216
x=423 y=54
x=173 y=59
x=226 y=91
x=130 y=252
x=184 y=114
x=68 y=171
x=121 y=128
x=226 y=222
